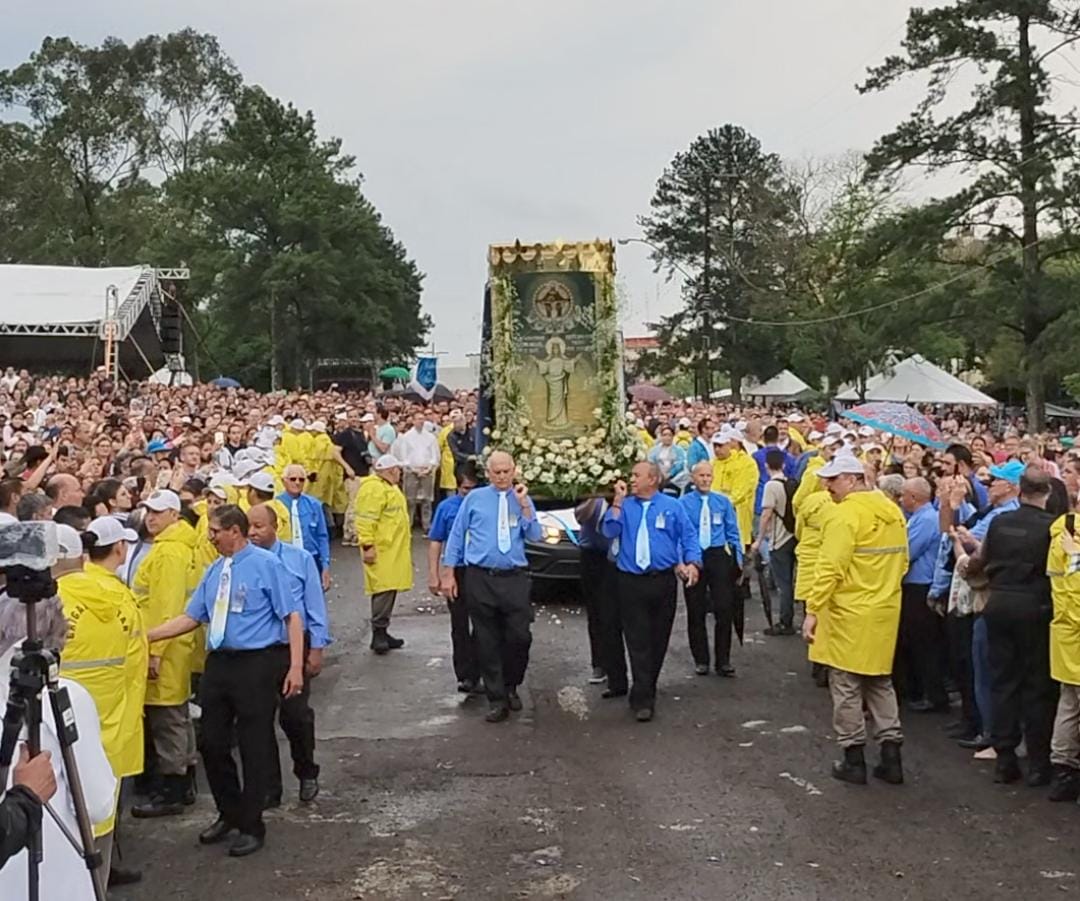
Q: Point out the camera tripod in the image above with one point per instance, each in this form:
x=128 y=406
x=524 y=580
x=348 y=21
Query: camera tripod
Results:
x=34 y=669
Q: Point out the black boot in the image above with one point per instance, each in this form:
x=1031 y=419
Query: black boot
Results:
x=169 y=802
x=1066 y=784
x=890 y=769
x=380 y=644
x=394 y=643
x=852 y=768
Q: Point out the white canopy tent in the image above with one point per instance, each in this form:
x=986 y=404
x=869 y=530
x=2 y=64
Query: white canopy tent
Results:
x=785 y=385
x=918 y=381
x=55 y=316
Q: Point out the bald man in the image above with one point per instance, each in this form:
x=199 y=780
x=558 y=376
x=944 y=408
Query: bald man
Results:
x=307 y=519
x=64 y=490
x=920 y=647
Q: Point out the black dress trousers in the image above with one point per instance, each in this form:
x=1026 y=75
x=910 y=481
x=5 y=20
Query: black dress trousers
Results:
x=647 y=612
x=240 y=692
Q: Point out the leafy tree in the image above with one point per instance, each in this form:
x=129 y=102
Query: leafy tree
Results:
x=1020 y=154
x=717 y=211
x=306 y=267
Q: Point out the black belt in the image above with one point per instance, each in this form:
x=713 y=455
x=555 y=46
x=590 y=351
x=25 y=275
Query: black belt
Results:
x=651 y=574
x=499 y=573
x=248 y=652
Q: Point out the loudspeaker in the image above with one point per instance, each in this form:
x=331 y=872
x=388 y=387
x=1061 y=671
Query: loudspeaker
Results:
x=171 y=331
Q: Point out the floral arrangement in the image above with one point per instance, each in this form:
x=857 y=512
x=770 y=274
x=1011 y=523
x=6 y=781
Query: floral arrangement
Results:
x=566 y=468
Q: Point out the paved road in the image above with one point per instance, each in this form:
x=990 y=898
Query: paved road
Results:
x=724 y=795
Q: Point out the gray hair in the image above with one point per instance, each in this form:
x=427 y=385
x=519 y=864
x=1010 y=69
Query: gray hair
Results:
x=892 y=485
x=52 y=625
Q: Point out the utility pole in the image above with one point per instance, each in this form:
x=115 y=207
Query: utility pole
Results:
x=706 y=299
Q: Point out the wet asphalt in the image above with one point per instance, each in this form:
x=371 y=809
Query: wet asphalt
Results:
x=725 y=794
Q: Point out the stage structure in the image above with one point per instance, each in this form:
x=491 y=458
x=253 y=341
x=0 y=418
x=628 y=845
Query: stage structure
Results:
x=72 y=319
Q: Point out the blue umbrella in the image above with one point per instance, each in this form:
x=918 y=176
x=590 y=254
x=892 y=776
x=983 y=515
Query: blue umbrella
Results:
x=898 y=419
x=224 y=381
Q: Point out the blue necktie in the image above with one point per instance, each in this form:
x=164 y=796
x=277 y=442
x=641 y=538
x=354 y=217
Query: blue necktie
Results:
x=504 y=523
x=704 y=525
x=642 y=555
x=221 y=606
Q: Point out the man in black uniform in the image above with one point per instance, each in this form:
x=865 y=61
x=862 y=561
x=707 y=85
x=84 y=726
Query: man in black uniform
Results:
x=353 y=441
x=1017 y=616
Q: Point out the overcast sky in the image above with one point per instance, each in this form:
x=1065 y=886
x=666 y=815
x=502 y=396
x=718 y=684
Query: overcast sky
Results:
x=479 y=121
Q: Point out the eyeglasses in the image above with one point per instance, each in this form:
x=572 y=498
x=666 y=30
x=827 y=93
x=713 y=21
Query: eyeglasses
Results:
x=293 y=479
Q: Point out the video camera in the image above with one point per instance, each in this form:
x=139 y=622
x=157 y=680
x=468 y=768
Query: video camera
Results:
x=28 y=551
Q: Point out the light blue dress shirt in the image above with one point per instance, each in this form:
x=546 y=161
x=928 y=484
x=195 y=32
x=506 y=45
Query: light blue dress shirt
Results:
x=673 y=538
x=723 y=520
x=924 y=536
x=474 y=537
x=306 y=584
x=312 y=526
x=260 y=600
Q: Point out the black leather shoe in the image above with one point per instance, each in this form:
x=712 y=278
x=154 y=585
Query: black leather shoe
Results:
x=702 y=669
x=123 y=876
x=309 y=789
x=243 y=845
x=157 y=806
x=380 y=643
x=1038 y=776
x=726 y=670
x=1066 y=784
x=891 y=768
x=394 y=643
x=613 y=693
x=976 y=743
x=497 y=714
x=215 y=833
x=1007 y=770
x=513 y=701
x=643 y=715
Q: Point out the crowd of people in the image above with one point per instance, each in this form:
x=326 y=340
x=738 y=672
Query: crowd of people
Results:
x=197 y=530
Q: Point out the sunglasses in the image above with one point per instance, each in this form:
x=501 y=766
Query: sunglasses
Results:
x=293 y=479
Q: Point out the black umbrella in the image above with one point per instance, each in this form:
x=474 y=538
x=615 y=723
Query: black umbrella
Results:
x=441 y=392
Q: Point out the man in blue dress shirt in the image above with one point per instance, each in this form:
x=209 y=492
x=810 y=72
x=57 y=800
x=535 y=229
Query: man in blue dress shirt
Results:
x=606 y=652
x=656 y=543
x=462 y=639
x=496 y=520
x=296 y=716
x=722 y=557
x=245 y=598
x=307 y=519
x=920 y=646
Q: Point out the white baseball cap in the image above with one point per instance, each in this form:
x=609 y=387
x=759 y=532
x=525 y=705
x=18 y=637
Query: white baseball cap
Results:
x=261 y=481
x=387 y=461
x=866 y=432
x=276 y=419
x=317 y=425
x=107 y=530
x=68 y=542
x=841 y=464
x=296 y=423
x=795 y=417
x=815 y=435
x=368 y=417
x=834 y=428
x=219 y=491
x=162 y=499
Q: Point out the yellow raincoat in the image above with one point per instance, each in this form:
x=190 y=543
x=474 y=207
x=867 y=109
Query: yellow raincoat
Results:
x=1065 y=627
x=163 y=582
x=683 y=438
x=446 y=460
x=329 y=486
x=382 y=519
x=855 y=593
x=106 y=654
x=737 y=477
x=810 y=520
x=810 y=483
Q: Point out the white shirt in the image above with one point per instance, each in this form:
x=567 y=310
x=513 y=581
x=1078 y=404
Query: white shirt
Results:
x=64 y=876
x=417 y=450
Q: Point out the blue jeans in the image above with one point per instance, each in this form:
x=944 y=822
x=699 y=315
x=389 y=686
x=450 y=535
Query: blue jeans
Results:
x=782 y=565
x=980 y=661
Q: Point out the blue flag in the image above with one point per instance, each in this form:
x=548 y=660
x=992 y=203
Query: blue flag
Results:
x=426 y=377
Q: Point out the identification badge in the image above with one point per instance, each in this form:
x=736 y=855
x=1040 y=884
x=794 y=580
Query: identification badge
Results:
x=717 y=519
x=513 y=522
x=236 y=602
x=661 y=521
